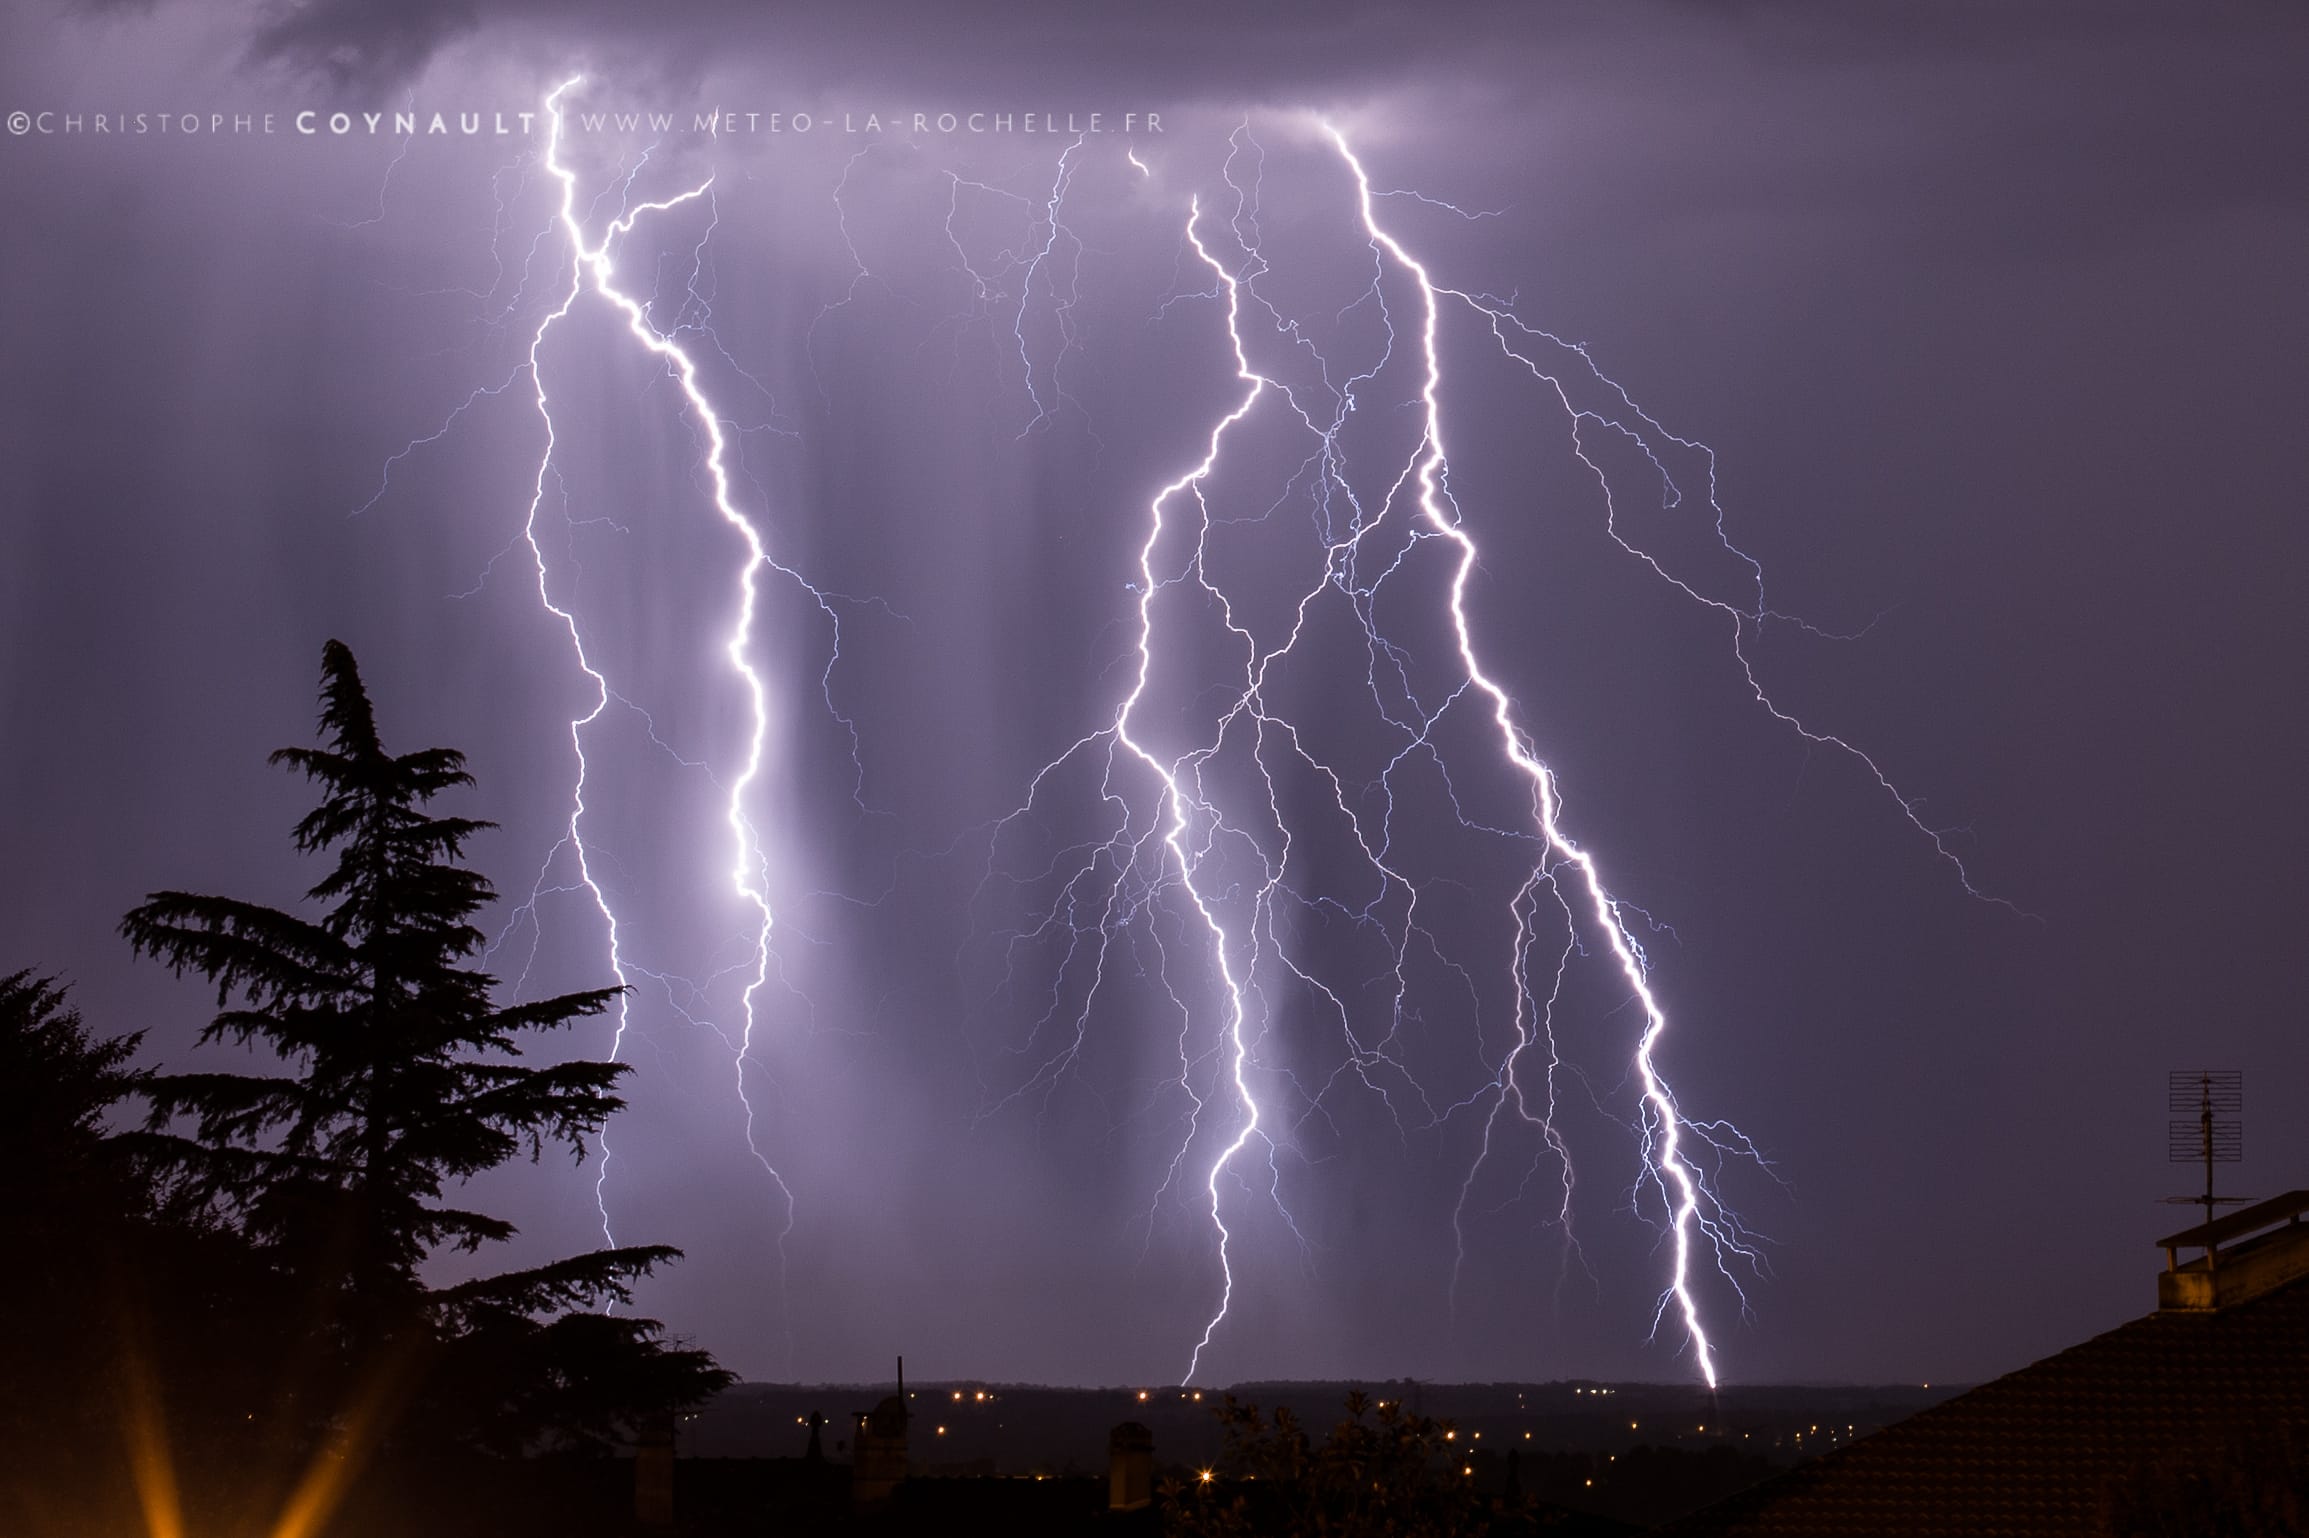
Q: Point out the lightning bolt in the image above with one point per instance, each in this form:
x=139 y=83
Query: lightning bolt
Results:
x=1180 y=839
x=1184 y=808
x=592 y=268
x=1664 y=1126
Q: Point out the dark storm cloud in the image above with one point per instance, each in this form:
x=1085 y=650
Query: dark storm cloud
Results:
x=1193 y=47
x=364 y=47
x=2081 y=118
x=1224 y=50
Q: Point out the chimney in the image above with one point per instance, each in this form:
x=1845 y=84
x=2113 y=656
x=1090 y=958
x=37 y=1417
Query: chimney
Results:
x=2260 y=1248
x=1129 y=1467
x=878 y=1447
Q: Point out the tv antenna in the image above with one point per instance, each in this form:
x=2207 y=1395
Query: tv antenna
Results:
x=2207 y=1106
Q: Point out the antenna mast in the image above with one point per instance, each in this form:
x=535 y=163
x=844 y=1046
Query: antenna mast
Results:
x=2214 y=1134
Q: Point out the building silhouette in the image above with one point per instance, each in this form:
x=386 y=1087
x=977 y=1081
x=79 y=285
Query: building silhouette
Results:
x=878 y=1449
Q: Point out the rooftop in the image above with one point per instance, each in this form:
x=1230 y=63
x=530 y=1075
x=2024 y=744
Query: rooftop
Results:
x=2061 y=1446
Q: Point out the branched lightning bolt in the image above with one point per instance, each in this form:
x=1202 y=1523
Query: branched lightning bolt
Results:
x=1664 y=1126
x=591 y=267
x=1180 y=844
x=1183 y=808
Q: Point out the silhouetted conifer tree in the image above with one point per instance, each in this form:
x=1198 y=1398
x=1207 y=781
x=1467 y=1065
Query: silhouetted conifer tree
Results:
x=400 y=1084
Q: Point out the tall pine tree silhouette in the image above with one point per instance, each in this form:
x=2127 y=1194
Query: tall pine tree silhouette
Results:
x=400 y=1083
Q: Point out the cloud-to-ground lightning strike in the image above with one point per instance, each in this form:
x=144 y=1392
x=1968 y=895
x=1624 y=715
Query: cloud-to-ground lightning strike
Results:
x=1663 y=1123
x=591 y=269
x=591 y=266
x=1181 y=810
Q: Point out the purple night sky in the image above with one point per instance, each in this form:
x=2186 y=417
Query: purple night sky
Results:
x=1991 y=316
